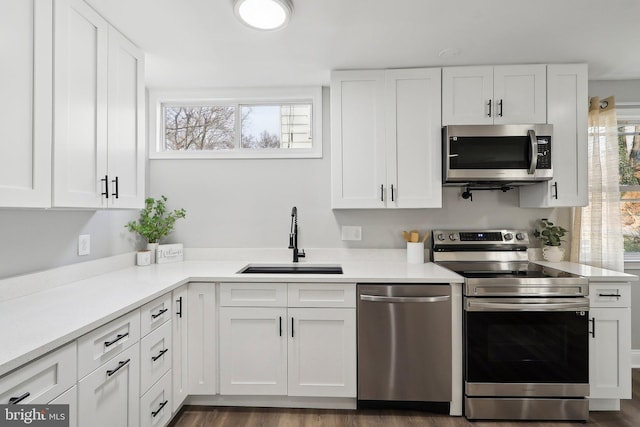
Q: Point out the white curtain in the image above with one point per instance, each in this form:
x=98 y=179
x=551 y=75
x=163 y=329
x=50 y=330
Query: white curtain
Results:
x=597 y=228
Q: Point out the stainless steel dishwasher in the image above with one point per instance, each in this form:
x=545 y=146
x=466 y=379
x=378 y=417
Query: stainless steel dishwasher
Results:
x=404 y=343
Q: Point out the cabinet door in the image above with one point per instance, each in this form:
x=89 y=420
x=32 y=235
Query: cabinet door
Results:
x=253 y=351
x=80 y=102
x=125 y=157
x=567 y=105
x=25 y=116
x=69 y=397
x=201 y=317
x=322 y=352
x=180 y=348
x=467 y=96
x=610 y=354
x=520 y=94
x=357 y=140
x=413 y=138
x=110 y=396
x=155 y=405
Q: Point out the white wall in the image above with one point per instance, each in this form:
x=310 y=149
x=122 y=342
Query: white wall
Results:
x=247 y=203
x=34 y=240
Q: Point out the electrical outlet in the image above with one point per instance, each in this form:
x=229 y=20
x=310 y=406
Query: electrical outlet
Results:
x=84 y=244
x=351 y=232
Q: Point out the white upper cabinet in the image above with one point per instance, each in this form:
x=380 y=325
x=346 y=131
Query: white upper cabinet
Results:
x=98 y=134
x=385 y=136
x=567 y=110
x=506 y=94
x=25 y=116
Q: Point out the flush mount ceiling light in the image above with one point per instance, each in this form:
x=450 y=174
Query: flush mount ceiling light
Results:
x=265 y=15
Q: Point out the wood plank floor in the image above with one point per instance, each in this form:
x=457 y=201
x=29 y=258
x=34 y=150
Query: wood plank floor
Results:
x=198 y=416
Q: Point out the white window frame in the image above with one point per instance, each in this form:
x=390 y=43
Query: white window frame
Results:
x=629 y=111
x=237 y=97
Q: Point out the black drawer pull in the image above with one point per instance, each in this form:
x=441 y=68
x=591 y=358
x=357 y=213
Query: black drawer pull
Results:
x=593 y=327
x=162 y=405
x=162 y=352
x=610 y=295
x=106 y=186
x=121 y=364
x=115 y=181
x=160 y=313
x=14 y=400
x=179 y=313
x=116 y=339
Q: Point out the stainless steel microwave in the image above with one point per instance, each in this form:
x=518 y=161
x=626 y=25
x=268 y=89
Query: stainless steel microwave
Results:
x=514 y=154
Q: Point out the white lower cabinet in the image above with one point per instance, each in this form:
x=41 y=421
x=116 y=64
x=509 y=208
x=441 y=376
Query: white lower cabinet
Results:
x=201 y=339
x=110 y=395
x=322 y=352
x=69 y=397
x=155 y=356
x=305 y=349
x=179 y=366
x=155 y=404
x=610 y=344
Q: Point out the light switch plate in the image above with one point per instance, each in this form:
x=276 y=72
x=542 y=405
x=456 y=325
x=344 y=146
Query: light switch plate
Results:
x=351 y=232
x=84 y=244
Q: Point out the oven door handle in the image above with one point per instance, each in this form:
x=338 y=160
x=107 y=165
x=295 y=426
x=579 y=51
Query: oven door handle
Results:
x=375 y=298
x=475 y=305
x=533 y=147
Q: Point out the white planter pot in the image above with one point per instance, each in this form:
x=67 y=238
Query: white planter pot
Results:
x=153 y=247
x=553 y=253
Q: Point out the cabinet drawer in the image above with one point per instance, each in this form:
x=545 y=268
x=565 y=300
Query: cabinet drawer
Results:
x=154 y=314
x=609 y=294
x=322 y=295
x=100 y=345
x=155 y=405
x=155 y=356
x=253 y=294
x=69 y=397
x=42 y=380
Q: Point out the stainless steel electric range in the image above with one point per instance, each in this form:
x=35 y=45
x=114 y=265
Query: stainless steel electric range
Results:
x=526 y=349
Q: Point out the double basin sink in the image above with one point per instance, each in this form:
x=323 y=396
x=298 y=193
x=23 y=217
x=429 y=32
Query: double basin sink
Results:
x=290 y=269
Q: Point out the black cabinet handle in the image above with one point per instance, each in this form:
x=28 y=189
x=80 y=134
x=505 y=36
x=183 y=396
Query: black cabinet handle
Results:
x=14 y=400
x=115 y=182
x=162 y=405
x=292 y=327
x=121 y=364
x=162 y=352
x=500 y=105
x=160 y=313
x=382 y=192
x=116 y=339
x=593 y=327
x=555 y=190
x=392 y=197
x=179 y=312
x=610 y=295
x=280 y=317
x=106 y=187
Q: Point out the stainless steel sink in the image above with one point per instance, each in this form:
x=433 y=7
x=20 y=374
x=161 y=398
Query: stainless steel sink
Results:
x=290 y=269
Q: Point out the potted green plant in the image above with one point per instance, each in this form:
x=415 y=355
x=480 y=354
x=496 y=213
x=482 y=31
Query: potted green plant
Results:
x=551 y=236
x=155 y=222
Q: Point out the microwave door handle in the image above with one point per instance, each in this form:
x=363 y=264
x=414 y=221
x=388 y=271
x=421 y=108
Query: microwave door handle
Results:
x=533 y=147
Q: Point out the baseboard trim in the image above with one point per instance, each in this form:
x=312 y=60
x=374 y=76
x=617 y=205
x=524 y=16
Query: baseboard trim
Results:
x=635 y=358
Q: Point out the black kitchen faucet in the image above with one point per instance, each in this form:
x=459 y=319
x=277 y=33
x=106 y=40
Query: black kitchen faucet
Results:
x=293 y=236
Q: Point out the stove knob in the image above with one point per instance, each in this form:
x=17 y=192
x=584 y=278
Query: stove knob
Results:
x=452 y=237
x=508 y=236
x=441 y=237
x=520 y=236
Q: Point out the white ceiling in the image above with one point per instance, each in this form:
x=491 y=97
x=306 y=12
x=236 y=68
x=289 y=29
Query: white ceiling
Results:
x=199 y=43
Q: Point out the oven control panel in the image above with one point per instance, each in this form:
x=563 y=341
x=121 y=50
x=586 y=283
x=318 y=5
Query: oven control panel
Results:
x=485 y=238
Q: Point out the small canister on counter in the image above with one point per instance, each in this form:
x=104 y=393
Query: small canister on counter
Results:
x=143 y=257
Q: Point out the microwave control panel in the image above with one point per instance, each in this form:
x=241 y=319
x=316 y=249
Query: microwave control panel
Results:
x=544 y=152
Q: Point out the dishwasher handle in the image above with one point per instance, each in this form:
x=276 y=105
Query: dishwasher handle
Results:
x=376 y=298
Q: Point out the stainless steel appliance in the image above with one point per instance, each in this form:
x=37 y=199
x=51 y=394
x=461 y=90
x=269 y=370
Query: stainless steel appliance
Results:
x=506 y=154
x=404 y=344
x=526 y=349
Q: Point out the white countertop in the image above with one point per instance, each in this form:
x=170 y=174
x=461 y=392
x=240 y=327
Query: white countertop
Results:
x=592 y=273
x=35 y=324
